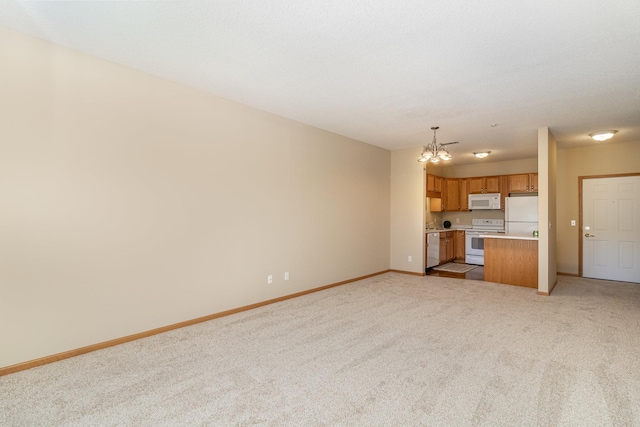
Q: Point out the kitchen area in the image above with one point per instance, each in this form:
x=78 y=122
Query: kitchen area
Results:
x=483 y=228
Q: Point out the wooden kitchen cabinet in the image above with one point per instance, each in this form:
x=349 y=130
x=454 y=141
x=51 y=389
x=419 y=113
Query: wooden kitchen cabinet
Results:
x=459 y=244
x=451 y=194
x=464 y=194
x=476 y=185
x=443 y=248
x=492 y=184
x=446 y=246
x=450 y=245
x=511 y=261
x=455 y=194
x=523 y=183
x=533 y=182
x=436 y=205
x=484 y=184
x=431 y=183
x=434 y=186
x=504 y=191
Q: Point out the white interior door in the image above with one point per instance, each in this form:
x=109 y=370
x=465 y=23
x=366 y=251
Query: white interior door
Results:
x=611 y=228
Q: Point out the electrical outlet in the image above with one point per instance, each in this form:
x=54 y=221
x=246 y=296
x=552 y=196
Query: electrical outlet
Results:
x=410 y=258
x=269 y=279
x=457 y=220
x=573 y=222
x=286 y=275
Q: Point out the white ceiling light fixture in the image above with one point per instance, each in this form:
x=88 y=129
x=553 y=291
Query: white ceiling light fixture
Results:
x=481 y=154
x=603 y=135
x=433 y=152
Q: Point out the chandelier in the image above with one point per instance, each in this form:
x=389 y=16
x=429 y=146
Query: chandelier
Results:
x=433 y=152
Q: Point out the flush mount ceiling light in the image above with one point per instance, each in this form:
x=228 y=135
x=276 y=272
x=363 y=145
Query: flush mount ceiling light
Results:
x=481 y=154
x=603 y=135
x=433 y=152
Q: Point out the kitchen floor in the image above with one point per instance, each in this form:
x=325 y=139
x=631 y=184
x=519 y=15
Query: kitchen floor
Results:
x=475 y=274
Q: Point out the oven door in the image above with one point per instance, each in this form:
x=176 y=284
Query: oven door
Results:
x=474 y=246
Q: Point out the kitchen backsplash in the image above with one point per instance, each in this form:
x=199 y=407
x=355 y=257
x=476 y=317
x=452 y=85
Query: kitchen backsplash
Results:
x=438 y=218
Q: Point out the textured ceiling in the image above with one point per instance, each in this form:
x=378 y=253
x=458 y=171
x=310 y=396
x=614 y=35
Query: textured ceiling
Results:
x=382 y=72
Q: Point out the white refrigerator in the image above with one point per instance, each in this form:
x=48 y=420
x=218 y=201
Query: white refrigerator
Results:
x=521 y=215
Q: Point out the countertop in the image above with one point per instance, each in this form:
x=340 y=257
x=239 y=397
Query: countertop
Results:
x=509 y=236
x=443 y=230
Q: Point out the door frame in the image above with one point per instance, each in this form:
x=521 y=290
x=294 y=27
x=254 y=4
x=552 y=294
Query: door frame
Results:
x=580 y=234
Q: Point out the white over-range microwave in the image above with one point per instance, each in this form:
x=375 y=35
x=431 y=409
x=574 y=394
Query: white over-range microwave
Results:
x=484 y=201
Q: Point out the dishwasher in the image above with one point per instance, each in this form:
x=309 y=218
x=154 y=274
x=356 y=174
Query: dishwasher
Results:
x=433 y=249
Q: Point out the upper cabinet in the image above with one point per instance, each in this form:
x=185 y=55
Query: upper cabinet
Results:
x=523 y=183
x=452 y=194
x=504 y=190
x=533 y=182
x=434 y=186
x=493 y=184
x=437 y=184
x=455 y=194
x=484 y=184
x=464 y=194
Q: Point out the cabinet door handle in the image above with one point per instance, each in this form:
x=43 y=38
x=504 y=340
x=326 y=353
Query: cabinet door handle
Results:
x=589 y=235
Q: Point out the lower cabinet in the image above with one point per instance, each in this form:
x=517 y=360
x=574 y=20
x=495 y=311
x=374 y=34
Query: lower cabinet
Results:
x=511 y=261
x=447 y=246
x=460 y=245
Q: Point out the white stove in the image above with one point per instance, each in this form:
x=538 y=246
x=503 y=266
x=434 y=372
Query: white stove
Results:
x=474 y=244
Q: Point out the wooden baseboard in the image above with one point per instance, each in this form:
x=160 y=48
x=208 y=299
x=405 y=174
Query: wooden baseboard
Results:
x=559 y=273
x=546 y=294
x=407 y=272
x=99 y=346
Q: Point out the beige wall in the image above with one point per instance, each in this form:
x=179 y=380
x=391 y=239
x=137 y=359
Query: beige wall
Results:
x=547 y=270
x=488 y=168
x=464 y=218
x=128 y=202
x=407 y=210
x=597 y=159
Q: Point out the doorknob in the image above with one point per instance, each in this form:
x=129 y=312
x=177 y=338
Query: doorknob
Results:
x=589 y=235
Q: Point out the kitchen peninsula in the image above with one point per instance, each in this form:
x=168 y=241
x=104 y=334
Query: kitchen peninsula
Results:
x=511 y=259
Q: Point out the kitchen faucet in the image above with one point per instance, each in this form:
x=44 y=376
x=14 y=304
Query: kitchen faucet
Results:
x=429 y=224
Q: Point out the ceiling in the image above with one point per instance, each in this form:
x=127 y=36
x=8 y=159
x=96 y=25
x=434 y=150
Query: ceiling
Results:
x=382 y=72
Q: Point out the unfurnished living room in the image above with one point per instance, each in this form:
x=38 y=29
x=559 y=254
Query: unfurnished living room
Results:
x=374 y=213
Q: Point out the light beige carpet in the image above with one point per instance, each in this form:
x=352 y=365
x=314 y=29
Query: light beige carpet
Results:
x=392 y=350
